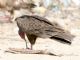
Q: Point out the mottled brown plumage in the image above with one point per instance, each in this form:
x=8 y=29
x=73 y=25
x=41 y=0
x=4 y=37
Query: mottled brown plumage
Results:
x=36 y=26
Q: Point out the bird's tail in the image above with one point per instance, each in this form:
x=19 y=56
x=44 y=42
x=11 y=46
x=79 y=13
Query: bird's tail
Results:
x=65 y=37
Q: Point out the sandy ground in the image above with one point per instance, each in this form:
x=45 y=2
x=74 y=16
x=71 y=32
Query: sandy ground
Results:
x=9 y=39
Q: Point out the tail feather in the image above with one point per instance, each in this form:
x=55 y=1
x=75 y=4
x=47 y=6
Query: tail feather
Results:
x=63 y=37
x=61 y=40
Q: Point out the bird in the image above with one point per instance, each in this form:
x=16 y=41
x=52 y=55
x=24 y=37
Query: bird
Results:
x=34 y=26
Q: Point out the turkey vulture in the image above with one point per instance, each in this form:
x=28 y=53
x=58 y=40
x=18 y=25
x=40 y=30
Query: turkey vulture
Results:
x=36 y=26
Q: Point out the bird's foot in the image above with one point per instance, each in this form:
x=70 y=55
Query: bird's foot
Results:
x=28 y=48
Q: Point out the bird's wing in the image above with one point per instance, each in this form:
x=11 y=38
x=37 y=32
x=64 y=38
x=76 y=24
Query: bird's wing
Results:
x=55 y=30
x=41 y=19
x=54 y=24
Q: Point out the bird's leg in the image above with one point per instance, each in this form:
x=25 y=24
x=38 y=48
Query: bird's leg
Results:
x=31 y=47
x=32 y=39
x=26 y=44
x=22 y=35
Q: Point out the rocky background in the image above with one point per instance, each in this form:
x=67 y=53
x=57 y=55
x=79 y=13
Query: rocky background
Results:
x=65 y=12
